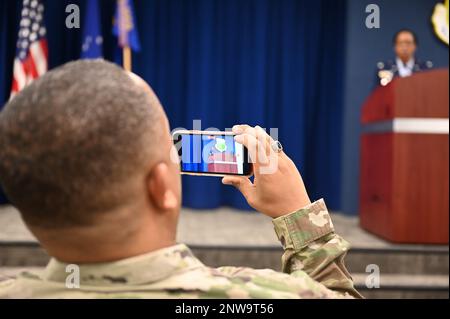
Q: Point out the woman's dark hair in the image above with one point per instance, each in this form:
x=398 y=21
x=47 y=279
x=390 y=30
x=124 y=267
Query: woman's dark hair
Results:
x=394 y=39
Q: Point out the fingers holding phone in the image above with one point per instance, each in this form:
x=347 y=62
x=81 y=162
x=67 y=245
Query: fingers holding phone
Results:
x=278 y=188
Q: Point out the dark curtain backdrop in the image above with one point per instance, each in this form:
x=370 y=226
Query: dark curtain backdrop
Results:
x=273 y=63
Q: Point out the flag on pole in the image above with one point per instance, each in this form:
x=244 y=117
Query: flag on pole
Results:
x=91 y=48
x=124 y=28
x=32 y=51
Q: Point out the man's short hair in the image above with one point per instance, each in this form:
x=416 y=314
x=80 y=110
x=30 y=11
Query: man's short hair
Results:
x=416 y=40
x=70 y=140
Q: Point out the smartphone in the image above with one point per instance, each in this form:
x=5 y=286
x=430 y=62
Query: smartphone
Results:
x=211 y=153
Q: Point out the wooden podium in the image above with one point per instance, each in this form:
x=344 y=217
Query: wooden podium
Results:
x=404 y=180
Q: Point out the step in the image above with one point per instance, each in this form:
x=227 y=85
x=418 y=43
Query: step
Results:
x=404 y=286
x=390 y=261
x=425 y=261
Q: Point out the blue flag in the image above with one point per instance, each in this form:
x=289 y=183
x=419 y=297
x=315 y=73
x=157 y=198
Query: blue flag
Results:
x=125 y=26
x=91 y=47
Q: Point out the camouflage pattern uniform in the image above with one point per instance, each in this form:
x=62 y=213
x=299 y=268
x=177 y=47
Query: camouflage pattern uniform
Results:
x=312 y=265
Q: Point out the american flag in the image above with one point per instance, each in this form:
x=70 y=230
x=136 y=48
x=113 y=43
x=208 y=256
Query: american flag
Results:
x=32 y=52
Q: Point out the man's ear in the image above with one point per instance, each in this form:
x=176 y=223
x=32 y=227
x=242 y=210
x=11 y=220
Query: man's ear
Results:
x=161 y=187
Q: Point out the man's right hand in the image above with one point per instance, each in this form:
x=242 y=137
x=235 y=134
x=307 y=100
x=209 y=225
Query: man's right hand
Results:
x=277 y=188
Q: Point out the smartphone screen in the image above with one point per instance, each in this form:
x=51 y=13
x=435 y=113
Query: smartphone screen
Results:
x=212 y=154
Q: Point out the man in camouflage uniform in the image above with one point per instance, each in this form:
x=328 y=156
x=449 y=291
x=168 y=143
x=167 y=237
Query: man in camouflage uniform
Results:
x=88 y=160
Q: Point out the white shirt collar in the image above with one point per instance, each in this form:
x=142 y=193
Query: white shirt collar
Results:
x=405 y=70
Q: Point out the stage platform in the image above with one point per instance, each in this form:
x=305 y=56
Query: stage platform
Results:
x=231 y=237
